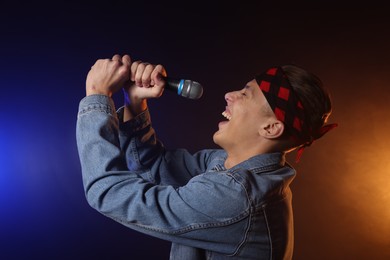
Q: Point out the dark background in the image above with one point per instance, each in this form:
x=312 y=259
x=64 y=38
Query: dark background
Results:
x=342 y=190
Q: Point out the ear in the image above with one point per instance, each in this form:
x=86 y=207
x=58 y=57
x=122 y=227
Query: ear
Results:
x=272 y=130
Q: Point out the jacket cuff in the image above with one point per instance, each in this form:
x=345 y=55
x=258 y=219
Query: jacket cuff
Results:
x=141 y=121
x=97 y=102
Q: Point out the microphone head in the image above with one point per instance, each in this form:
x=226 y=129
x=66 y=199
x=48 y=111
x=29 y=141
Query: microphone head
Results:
x=192 y=89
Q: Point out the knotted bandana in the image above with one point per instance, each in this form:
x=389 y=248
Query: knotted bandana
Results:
x=288 y=108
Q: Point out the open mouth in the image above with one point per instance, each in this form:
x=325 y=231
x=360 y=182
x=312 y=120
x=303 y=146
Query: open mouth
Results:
x=226 y=115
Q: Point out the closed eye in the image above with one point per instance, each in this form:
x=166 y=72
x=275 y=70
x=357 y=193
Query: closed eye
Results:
x=246 y=90
x=243 y=91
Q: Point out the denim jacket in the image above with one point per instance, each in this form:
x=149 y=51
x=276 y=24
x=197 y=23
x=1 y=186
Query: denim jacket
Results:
x=205 y=210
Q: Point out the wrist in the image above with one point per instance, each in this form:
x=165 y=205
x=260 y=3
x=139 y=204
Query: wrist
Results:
x=132 y=110
x=137 y=106
x=94 y=91
x=133 y=106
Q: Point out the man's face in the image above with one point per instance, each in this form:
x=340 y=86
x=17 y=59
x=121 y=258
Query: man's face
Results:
x=246 y=111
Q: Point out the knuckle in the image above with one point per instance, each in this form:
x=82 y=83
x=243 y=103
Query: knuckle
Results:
x=116 y=63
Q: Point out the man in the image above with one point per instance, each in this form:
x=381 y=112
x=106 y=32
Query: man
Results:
x=230 y=203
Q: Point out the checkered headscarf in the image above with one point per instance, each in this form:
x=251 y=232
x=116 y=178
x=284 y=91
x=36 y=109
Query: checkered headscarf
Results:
x=288 y=108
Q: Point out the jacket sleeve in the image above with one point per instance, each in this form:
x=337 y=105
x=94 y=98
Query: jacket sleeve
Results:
x=146 y=155
x=189 y=215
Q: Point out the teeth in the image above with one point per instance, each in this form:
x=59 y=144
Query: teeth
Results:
x=226 y=115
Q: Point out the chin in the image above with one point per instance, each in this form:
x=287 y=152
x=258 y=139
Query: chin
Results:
x=217 y=138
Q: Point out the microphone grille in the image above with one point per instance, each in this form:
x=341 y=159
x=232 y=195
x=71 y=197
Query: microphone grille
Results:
x=192 y=89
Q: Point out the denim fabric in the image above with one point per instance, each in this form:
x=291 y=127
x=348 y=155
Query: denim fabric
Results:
x=205 y=210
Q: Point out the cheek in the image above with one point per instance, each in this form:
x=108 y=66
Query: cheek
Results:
x=252 y=115
x=246 y=127
x=253 y=121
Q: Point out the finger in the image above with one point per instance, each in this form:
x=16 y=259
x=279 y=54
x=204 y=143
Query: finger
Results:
x=117 y=57
x=133 y=69
x=158 y=74
x=116 y=62
x=138 y=74
x=126 y=60
x=146 y=75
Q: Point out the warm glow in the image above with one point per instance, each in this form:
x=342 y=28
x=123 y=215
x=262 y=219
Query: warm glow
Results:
x=366 y=193
x=363 y=164
x=342 y=190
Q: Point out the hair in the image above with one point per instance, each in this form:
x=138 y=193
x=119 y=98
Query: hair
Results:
x=313 y=95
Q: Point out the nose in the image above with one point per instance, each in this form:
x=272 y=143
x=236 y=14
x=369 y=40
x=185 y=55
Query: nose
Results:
x=230 y=96
x=227 y=96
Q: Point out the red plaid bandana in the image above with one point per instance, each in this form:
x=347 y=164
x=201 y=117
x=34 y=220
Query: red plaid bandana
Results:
x=288 y=108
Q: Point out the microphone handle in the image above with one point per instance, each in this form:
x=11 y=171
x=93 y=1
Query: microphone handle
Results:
x=174 y=84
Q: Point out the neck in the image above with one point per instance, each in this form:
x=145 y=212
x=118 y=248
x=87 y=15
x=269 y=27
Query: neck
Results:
x=238 y=156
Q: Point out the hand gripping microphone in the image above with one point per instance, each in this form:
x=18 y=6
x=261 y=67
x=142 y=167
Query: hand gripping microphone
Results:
x=184 y=87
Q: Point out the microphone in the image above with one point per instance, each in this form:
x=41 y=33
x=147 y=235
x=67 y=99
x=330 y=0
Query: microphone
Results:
x=184 y=87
